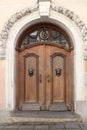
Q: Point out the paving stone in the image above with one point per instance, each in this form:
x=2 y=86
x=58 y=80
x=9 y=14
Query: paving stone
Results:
x=72 y=125
x=1 y=127
x=11 y=127
x=83 y=126
x=57 y=126
x=26 y=127
x=57 y=129
x=41 y=127
x=73 y=129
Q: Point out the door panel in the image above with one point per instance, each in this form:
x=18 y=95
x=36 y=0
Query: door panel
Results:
x=48 y=88
x=56 y=81
x=31 y=67
x=32 y=86
x=58 y=78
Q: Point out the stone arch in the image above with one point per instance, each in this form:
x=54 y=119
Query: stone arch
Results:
x=27 y=11
x=21 y=20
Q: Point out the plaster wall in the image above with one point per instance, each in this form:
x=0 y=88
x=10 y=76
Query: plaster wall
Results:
x=8 y=8
x=2 y=84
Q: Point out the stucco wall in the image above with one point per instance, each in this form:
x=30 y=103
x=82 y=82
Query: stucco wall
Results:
x=85 y=80
x=2 y=84
x=9 y=7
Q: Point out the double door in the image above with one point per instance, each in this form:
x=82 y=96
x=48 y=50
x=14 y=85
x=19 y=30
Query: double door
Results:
x=44 y=79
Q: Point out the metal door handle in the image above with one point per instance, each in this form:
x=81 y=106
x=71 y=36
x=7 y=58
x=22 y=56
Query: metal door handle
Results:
x=40 y=78
x=58 y=71
x=31 y=71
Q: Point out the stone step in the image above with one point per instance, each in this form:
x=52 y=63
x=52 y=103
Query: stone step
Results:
x=44 y=116
x=10 y=120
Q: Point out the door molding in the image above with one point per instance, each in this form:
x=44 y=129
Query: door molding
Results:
x=45 y=89
x=37 y=68
x=73 y=32
x=64 y=57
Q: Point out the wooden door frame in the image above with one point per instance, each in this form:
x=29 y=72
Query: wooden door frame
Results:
x=71 y=83
x=14 y=34
x=36 y=44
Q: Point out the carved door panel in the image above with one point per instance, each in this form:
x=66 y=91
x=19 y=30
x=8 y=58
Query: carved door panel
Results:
x=44 y=82
x=57 y=89
x=31 y=65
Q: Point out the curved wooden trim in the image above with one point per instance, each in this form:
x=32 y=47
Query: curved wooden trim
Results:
x=44 y=43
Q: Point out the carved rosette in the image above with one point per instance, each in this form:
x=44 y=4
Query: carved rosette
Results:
x=7 y=27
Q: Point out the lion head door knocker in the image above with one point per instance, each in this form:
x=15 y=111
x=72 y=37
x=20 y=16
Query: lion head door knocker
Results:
x=58 y=71
x=31 y=71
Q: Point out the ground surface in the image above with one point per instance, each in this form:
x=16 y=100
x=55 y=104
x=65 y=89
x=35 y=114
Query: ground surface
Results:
x=42 y=121
x=45 y=126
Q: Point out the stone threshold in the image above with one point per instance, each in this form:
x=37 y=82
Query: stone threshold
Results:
x=40 y=117
x=10 y=120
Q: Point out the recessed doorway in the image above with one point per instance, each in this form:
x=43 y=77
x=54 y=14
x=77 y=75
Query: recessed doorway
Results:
x=44 y=69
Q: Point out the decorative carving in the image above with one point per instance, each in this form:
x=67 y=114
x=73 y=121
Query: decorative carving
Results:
x=79 y=23
x=72 y=16
x=85 y=51
x=7 y=27
x=44 y=34
x=13 y=19
x=2 y=49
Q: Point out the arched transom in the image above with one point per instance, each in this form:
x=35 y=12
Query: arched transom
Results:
x=44 y=34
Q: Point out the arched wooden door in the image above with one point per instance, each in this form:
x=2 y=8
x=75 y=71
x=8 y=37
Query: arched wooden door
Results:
x=45 y=75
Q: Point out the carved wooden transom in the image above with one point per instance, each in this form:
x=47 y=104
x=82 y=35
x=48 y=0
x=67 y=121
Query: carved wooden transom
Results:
x=43 y=35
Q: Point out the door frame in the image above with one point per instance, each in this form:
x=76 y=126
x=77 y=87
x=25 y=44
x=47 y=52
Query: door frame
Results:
x=30 y=28
x=72 y=74
x=73 y=33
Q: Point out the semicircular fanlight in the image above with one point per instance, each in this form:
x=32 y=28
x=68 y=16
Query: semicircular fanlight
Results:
x=44 y=34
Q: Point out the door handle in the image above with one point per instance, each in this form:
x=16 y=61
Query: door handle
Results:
x=40 y=78
x=48 y=78
x=58 y=71
x=31 y=71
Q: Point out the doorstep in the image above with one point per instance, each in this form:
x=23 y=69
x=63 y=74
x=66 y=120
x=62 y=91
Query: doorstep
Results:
x=40 y=117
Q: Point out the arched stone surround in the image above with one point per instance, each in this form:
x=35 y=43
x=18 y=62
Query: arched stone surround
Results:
x=44 y=8
x=59 y=16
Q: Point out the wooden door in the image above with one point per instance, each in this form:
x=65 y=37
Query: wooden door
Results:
x=57 y=72
x=44 y=79
x=31 y=84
